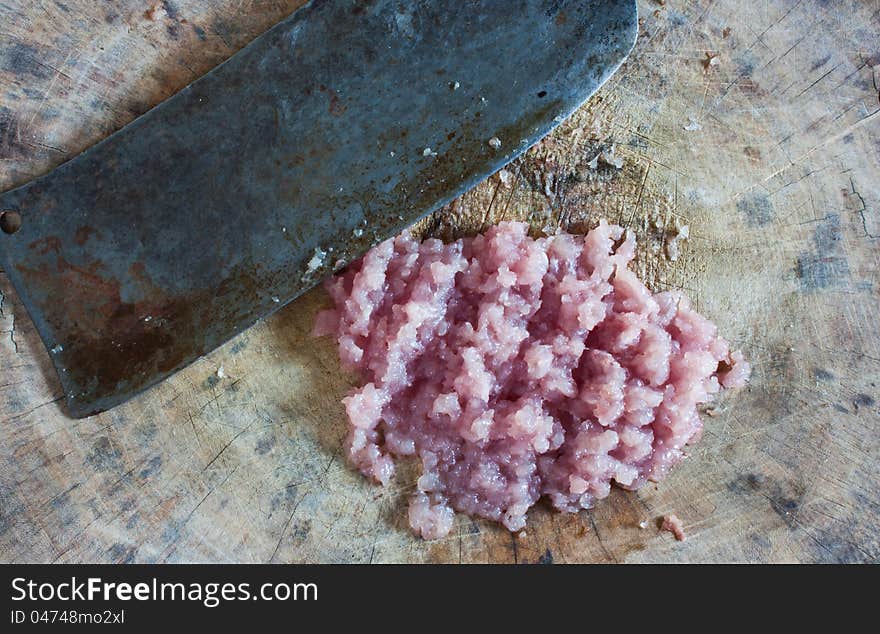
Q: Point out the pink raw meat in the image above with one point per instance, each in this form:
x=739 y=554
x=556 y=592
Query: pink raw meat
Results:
x=672 y=524
x=516 y=368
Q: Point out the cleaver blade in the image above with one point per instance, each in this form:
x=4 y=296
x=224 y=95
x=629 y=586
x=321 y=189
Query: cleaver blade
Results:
x=331 y=132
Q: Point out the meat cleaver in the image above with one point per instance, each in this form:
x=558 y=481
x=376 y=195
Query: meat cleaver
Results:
x=334 y=130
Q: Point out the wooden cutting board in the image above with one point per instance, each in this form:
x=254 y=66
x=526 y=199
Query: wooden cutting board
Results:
x=754 y=123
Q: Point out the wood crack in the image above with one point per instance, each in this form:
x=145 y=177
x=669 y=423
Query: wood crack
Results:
x=862 y=210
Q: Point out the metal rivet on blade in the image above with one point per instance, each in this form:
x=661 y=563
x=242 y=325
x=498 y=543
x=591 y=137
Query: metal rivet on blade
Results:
x=10 y=221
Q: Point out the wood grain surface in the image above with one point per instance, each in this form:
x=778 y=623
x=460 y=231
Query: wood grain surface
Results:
x=755 y=123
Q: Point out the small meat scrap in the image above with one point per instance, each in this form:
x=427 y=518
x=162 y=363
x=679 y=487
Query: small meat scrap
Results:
x=604 y=157
x=155 y=12
x=674 y=236
x=505 y=177
x=517 y=368
x=672 y=524
x=316 y=262
x=692 y=125
x=711 y=60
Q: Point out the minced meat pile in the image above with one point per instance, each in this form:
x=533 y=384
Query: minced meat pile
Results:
x=516 y=368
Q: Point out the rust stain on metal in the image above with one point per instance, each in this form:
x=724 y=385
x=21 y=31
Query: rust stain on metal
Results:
x=83 y=234
x=335 y=108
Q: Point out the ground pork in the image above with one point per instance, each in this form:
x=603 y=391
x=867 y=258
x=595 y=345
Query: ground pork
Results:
x=516 y=368
x=672 y=524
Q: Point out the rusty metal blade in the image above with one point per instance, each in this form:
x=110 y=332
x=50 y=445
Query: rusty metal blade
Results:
x=332 y=131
